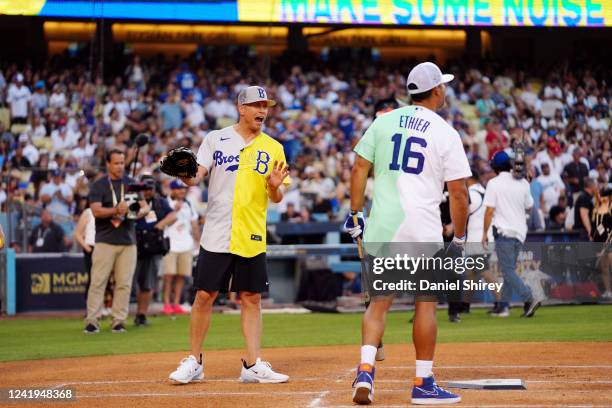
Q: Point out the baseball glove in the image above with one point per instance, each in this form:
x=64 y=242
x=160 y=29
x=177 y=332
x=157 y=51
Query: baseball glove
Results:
x=180 y=162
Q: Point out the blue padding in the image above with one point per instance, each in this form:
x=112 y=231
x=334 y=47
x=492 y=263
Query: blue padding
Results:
x=11 y=300
x=347 y=266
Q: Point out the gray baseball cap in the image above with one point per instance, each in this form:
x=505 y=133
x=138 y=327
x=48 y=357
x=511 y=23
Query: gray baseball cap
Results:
x=426 y=76
x=252 y=94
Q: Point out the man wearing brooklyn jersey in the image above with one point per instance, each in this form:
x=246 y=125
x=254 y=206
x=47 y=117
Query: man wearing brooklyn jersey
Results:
x=414 y=152
x=247 y=169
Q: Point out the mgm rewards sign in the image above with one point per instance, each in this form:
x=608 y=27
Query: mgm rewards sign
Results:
x=60 y=283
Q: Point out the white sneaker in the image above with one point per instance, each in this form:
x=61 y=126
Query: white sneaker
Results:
x=261 y=372
x=504 y=312
x=607 y=295
x=189 y=370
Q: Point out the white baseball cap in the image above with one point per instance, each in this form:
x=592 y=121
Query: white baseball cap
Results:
x=19 y=77
x=426 y=76
x=252 y=94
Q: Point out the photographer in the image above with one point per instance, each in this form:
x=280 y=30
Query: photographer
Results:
x=115 y=248
x=507 y=199
x=151 y=246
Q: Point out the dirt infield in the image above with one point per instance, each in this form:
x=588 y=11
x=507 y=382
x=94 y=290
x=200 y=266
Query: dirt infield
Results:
x=556 y=375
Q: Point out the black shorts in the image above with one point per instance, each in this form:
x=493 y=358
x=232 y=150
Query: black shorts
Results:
x=216 y=271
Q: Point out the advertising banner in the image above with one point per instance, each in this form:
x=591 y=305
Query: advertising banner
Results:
x=50 y=282
x=549 y=13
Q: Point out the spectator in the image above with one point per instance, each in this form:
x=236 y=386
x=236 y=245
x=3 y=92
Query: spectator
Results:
x=601 y=225
x=576 y=172
x=183 y=235
x=19 y=161
x=57 y=195
x=583 y=210
x=19 y=97
x=57 y=100
x=170 y=112
x=291 y=215
x=552 y=187
x=550 y=156
x=40 y=101
x=556 y=219
x=47 y=236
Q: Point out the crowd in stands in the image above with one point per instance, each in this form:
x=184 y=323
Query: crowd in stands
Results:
x=57 y=120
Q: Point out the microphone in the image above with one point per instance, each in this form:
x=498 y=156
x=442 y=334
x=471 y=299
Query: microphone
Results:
x=141 y=140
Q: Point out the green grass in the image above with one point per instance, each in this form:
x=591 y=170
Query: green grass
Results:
x=53 y=338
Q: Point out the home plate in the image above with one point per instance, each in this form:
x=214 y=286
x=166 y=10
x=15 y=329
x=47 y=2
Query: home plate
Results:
x=489 y=384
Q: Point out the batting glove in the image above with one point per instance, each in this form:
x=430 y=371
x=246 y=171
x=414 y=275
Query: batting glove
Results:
x=354 y=230
x=456 y=248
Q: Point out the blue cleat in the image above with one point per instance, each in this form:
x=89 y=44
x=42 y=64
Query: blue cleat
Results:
x=363 y=386
x=427 y=392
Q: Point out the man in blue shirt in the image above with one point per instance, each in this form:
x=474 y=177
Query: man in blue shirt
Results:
x=186 y=80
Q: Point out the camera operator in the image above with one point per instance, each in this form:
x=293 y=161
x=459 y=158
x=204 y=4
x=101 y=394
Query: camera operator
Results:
x=115 y=248
x=151 y=246
x=508 y=198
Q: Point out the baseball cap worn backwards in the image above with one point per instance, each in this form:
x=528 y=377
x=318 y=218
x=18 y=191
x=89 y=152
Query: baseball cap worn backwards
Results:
x=254 y=94
x=426 y=76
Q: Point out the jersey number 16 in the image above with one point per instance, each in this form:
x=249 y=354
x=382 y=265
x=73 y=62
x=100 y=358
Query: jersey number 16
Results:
x=408 y=154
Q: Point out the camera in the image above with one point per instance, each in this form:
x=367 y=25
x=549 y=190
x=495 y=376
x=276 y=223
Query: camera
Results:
x=132 y=198
x=133 y=205
x=518 y=168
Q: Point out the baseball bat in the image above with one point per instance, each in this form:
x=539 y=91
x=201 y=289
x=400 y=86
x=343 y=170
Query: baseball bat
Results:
x=380 y=354
x=364 y=283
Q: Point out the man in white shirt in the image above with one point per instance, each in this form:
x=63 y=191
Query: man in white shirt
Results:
x=19 y=97
x=194 y=114
x=61 y=140
x=507 y=199
x=57 y=195
x=178 y=263
x=413 y=152
x=550 y=156
x=221 y=107
x=552 y=187
x=29 y=150
x=58 y=97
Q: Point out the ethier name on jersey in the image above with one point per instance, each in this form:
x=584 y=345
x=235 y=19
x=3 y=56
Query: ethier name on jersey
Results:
x=412 y=123
x=446 y=286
